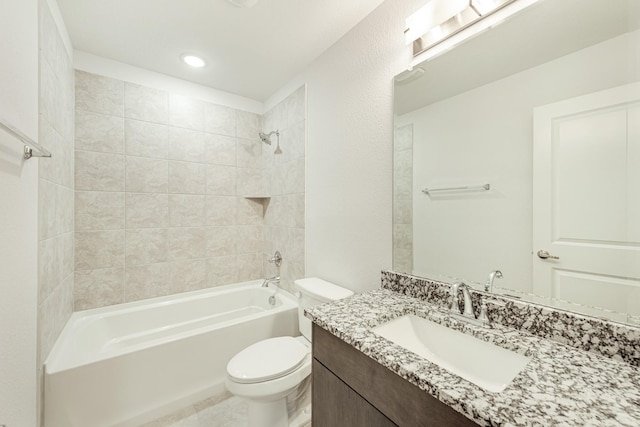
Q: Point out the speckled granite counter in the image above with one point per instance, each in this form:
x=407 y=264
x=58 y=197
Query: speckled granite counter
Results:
x=561 y=385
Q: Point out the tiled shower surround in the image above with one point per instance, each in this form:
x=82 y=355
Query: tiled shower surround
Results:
x=403 y=198
x=161 y=181
x=55 y=192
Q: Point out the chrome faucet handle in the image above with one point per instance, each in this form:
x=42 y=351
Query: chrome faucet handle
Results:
x=455 y=306
x=276 y=259
x=483 y=314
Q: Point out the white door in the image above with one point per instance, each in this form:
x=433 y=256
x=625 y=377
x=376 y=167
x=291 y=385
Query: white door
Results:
x=586 y=198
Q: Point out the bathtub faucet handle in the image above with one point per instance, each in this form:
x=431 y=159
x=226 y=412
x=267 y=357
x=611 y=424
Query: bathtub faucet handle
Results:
x=276 y=259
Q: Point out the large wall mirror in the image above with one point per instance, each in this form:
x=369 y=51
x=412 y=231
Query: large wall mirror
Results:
x=519 y=150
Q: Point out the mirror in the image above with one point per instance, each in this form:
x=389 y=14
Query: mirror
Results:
x=519 y=150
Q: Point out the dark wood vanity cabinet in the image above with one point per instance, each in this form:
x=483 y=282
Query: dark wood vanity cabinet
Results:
x=352 y=390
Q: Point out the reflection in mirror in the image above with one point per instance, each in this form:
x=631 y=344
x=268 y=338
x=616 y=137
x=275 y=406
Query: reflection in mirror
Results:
x=545 y=108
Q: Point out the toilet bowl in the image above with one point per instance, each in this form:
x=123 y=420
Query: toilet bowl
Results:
x=271 y=372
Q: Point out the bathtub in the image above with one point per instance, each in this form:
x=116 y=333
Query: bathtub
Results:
x=131 y=363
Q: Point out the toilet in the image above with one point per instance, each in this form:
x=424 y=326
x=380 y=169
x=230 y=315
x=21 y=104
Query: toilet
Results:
x=274 y=372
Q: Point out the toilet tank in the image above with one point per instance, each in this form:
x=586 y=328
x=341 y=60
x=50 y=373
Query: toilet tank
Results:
x=314 y=291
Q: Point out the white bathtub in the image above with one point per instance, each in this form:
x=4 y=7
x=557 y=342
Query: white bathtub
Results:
x=127 y=364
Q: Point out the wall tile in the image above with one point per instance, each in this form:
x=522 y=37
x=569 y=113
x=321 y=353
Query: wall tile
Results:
x=99 y=94
x=186 y=112
x=98 y=288
x=250 y=267
x=58 y=168
x=249 y=211
x=294 y=247
x=146 y=175
x=187 y=145
x=221 y=180
x=295 y=107
x=186 y=178
x=187 y=243
x=99 y=210
x=99 y=132
x=222 y=271
x=295 y=177
x=146 y=246
x=99 y=249
x=146 y=139
x=294 y=207
x=67 y=247
x=55 y=209
x=65 y=209
x=50 y=253
x=402 y=187
x=145 y=103
x=52 y=315
x=402 y=236
x=248 y=125
x=250 y=182
x=220 y=120
x=403 y=138
x=221 y=241
x=220 y=149
x=403 y=163
x=47 y=220
x=186 y=210
x=274 y=118
x=147 y=210
x=189 y=275
x=250 y=153
x=295 y=144
x=249 y=239
x=99 y=171
x=402 y=211
x=49 y=97
x=221 y=210
x=147 y=281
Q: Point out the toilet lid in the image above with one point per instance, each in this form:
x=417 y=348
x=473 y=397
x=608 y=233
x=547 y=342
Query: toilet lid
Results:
x=266 y=360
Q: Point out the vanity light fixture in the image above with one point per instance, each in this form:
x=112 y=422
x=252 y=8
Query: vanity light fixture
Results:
x=440 y=19
x=193 y=60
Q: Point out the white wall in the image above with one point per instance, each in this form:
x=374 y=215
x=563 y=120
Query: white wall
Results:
x=485 y=136
x=349 y=148
x=18 y=215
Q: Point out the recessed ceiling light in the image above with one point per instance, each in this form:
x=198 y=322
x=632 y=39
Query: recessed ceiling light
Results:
x=194 y=61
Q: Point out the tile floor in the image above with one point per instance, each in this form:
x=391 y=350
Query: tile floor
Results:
x=222 y=411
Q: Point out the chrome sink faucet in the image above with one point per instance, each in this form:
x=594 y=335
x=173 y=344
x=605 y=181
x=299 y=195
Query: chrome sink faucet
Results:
x=467 y=314
x=495 y=274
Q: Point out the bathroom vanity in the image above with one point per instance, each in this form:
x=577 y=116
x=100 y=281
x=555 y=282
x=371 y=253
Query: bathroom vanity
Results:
x=580 y=370
x=354 y=390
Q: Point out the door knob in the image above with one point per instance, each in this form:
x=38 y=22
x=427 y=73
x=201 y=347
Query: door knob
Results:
x=545 y=255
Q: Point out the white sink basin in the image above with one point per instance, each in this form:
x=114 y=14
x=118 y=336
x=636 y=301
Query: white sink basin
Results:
x=484 y=364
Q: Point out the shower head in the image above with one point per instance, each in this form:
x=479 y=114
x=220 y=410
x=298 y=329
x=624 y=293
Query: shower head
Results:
x=266 y=137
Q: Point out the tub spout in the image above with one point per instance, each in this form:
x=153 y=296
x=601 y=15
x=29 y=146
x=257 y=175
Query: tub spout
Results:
x=274 y=279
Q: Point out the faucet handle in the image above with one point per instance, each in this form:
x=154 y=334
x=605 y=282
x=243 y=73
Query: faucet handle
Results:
x=276 y=259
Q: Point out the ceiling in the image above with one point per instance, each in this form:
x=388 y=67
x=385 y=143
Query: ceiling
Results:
x=251 y=52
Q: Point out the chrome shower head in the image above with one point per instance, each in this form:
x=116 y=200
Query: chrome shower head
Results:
x=266 y=137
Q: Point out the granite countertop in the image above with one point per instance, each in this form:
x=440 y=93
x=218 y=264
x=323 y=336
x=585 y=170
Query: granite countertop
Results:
x=561 y=385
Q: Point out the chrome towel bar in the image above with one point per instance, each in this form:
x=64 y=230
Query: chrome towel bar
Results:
x=29 y=144
x=484 y=187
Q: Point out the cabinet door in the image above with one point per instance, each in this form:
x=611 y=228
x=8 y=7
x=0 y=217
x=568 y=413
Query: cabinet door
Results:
x=335 y=404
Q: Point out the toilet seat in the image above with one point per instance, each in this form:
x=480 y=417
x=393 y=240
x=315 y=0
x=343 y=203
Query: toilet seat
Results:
x=267 y=360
